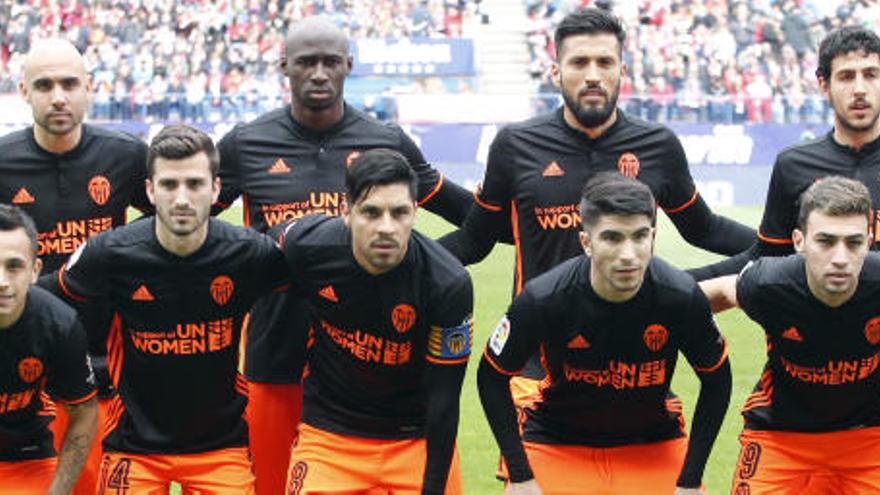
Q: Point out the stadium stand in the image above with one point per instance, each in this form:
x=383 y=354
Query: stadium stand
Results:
x=721 y=61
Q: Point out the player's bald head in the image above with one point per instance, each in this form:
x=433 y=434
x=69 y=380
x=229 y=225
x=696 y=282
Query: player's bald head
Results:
x=53 y=53
x=316 y=30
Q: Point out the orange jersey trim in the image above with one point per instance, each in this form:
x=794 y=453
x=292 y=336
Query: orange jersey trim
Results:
x=86 y=398
x=434 y=360
x=483 y=204
x=773 y=240
x=245 y=211
x=114 y=412
x=69 y=293
x=495 y=365
x=433 y=191
x=683 y=206
x=762 y=397
x=517 y=244
x=114 y=349
x=221 y=204
x=717 y=365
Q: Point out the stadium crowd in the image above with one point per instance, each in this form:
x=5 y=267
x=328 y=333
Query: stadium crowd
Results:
x=725 y=61
x=199 y=59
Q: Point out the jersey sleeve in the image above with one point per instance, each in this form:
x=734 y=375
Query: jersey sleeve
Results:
x=71 y=379
x=495 y=194
x=451 y=333
x=679 y=192
x=271 y=269
x=702 y=345
x=440 y=196
x=229 y=182
x=748 y=290
x=780 y=211
x=288 y=238
x=139 y=199
x=84 y=275
x=516 y=337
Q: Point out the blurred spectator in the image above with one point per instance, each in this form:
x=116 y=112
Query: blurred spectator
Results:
x=200 y=59
x=726 y=61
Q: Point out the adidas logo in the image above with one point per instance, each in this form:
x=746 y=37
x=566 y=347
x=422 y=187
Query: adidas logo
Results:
x=792 y=334
x=329 y=294
x=142 y=294
x=22 y=196
x=279 y=167
x=578 y=342
x=553 y=170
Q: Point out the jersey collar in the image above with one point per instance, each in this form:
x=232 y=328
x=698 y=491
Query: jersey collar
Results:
x=84 y=137
x=867 y=149
x=348 y=114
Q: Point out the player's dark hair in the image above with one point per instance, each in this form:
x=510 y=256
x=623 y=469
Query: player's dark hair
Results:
x=177 y=142
x=835 y=196
x=588 y=21
x=14 y=218
x=842 y=41
x=378 y=167
x=611 y=193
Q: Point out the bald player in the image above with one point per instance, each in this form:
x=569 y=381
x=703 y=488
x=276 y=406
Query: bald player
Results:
x=75 y=180
x=286 y=164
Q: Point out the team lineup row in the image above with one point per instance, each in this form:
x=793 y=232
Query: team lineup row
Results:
x=363 y=328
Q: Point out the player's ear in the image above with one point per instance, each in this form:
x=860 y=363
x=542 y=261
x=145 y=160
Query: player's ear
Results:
x=344 y=212
x=23 y=90
x=148 y=185
x=798 y=238
x=823 y=85
x=38 y=267
x=215 y=188
x=555 y=74
x=586 y=243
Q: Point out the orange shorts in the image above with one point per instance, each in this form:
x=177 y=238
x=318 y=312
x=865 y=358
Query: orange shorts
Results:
x=218 y=472
x=88 y=478
x=27 y=477
x=326 y=463
x=625 y=470
x=781 y=463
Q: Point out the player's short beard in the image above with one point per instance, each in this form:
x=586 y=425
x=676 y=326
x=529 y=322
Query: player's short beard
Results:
x=591 y=117
x=844 y=123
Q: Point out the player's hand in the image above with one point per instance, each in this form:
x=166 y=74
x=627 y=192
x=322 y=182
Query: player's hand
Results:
x=524 y=488
x=689 y=491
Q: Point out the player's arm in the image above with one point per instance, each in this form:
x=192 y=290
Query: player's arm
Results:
x=227 y=147
x=727 y=266
x=721 y=292
x=82 y=282
x=690 y=214
x=71 y=383
x=706 y=351
x=514 y=340
x=436 y=193
x=774 y=234
x=81 y=429
x=449 y=348
x=269 y=267
x=489 y=219
x=780 y=214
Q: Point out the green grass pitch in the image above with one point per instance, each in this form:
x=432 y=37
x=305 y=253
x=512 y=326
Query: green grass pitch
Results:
x=492 y=289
